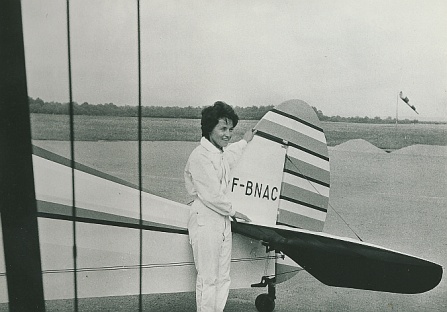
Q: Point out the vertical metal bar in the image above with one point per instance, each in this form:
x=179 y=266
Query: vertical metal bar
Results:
x=397 y=109
x=140 y=179
x=18 y=206
x=72 y=157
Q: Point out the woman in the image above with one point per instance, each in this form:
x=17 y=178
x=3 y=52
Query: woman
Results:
x=207 y=177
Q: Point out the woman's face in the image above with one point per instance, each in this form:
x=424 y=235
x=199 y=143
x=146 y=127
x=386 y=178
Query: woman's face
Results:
x=222 y=132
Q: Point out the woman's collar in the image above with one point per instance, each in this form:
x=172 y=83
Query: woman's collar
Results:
x=209 y=146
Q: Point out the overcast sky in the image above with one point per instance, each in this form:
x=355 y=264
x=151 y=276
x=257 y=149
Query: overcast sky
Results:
x=348 y=58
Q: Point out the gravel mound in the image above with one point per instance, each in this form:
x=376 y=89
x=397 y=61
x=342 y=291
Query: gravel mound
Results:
x=424 y=150
x=359 y=146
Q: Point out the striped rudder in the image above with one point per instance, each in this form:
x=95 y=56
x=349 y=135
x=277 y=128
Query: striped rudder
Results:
x=292 y=145
x=305 y=186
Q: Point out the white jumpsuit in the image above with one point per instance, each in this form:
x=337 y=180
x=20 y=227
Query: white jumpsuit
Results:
x=206 y=178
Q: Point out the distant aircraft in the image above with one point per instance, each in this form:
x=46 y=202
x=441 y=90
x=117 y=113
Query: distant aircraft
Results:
x=282 y=182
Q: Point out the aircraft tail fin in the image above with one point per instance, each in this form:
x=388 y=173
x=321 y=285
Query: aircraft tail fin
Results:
x=283 y=177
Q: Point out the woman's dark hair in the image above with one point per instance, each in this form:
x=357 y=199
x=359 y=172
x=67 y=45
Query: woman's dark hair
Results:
x=212 y=114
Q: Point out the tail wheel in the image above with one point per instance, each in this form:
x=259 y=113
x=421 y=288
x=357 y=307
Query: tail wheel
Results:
x=265 y=303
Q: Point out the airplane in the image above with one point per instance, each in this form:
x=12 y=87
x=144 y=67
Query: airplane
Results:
x=282 y=182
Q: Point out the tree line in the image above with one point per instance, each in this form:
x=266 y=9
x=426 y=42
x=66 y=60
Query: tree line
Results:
x=38 y=106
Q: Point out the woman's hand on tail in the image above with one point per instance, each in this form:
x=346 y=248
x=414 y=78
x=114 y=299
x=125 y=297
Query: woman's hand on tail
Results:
x=248 y=136
x=239 y=215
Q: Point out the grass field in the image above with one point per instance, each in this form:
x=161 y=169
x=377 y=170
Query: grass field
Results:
x=105 y=128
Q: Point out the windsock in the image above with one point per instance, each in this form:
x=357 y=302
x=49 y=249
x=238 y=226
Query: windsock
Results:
x=406 y=100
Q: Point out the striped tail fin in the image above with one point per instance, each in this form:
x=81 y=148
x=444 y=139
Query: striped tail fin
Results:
x=284 y=175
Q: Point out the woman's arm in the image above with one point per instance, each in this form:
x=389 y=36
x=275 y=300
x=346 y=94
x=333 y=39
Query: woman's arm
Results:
x=234 y=151
x=242 y=216
x=207 y=185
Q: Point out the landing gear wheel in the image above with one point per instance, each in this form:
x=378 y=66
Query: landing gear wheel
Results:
x=265 y=303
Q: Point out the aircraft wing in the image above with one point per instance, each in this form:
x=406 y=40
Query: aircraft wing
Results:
x=342 y=262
